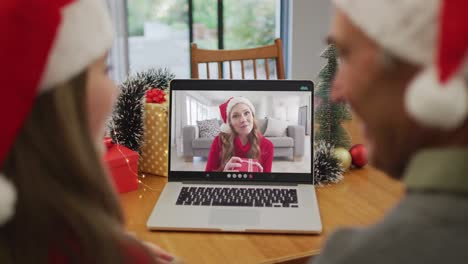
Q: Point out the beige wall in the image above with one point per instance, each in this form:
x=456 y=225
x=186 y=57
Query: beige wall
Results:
x=310 y=23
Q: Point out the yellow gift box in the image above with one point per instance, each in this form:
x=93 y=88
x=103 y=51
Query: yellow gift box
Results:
x=154 y=150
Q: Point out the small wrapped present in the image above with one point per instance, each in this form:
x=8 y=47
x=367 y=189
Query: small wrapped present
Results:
x=123 y=166
x=250 y=165
x=154 y=150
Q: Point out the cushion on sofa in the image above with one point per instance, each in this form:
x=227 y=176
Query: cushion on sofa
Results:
x=208 y=128
x=202 y=143
x=262 y=124
x=282 y=142
x=276 y=128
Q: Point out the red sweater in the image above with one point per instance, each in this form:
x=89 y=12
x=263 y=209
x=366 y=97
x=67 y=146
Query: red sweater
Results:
x=266 y=153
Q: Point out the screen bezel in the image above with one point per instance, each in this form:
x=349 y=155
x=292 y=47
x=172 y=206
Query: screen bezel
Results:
x=241 y=85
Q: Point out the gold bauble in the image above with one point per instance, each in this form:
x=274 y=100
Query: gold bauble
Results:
x=344 y=157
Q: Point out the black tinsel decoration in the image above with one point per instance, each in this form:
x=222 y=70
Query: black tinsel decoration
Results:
x=156 y=78
x=126 y=124
x=327 y=168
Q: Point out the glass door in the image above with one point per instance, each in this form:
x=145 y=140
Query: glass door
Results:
x=160 y=31
x=158 y=35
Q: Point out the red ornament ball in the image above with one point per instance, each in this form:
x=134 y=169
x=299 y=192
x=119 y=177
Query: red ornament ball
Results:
x=359 y=155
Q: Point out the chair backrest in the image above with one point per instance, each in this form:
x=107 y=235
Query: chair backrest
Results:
x=203 y=56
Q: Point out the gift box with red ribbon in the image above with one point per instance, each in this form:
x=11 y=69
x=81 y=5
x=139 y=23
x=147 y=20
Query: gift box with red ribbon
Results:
x=154 y=150
x=250 y=165
x=123 y=166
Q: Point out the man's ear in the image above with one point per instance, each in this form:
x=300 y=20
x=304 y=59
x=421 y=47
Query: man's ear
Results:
x=397 y=70
x=394 y=65
x=386 y=60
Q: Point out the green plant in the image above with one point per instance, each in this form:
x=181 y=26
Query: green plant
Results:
x=138 y=12
x=249 y=23
x=175 y=13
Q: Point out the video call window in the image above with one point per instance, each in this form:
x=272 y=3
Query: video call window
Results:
x=244 y=131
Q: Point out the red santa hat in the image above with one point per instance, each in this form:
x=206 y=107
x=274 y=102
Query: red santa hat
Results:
x=47 y=43
x=226 y=107
x=430 y=33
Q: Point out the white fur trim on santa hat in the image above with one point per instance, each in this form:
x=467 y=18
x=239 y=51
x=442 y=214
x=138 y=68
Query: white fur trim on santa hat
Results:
x=435 y=105
x=238 y=100
x=84 y=36
x=405 y=28
x=7 y=199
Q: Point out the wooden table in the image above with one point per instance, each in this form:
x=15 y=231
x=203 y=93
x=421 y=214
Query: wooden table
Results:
x=362 y=198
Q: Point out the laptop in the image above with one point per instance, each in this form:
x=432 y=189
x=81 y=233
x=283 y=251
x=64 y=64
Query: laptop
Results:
x=281 y=200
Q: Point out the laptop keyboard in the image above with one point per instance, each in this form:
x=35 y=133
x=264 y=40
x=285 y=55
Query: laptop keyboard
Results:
x=247 y=197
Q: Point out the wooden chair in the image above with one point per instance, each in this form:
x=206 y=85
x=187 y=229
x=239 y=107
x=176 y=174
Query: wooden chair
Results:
x=274 y=51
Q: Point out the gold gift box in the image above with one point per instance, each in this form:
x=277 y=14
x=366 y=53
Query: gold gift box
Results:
x=154 y=150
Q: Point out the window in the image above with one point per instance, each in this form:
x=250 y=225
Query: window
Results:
x=160 y=31
x=196 y=111
x=158 y=35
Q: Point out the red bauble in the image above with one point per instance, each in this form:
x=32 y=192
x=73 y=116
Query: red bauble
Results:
x=359 y=155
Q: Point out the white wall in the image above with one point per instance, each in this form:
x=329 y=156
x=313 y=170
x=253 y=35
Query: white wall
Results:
x=310 y=23
x=307 y=101
x=179 y=117
x=286 y=108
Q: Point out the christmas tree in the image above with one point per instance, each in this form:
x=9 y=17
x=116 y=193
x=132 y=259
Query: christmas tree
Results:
x=330 y=115
x=126 y=124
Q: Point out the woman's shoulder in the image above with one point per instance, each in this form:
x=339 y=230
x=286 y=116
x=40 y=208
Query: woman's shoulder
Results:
x=217 y=139
x=216 y=143
x=265 y=141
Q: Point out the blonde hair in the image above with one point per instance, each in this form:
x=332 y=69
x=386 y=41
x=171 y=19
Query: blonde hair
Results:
x=65 y=200
x=227 y=144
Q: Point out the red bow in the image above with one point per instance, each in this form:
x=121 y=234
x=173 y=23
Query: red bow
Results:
x=155 y=95
x=108 y=142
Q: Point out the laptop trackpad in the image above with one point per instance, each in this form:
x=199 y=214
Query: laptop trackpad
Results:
x=234 y=217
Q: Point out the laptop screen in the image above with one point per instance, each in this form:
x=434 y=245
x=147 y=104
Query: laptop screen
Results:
x=241 y=130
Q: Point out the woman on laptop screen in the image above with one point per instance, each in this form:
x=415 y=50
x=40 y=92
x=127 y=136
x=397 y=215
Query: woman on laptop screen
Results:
x=240 y=146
